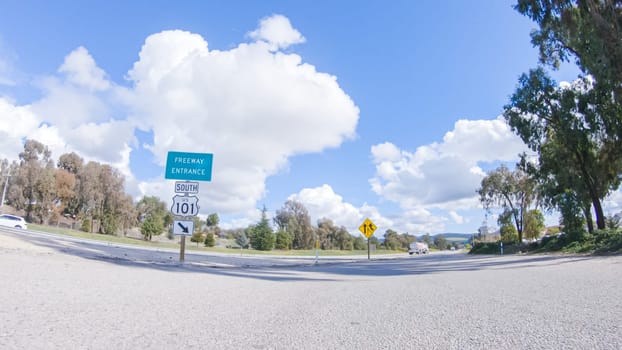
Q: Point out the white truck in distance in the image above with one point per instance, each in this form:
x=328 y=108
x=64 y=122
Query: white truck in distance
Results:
x=418 y=248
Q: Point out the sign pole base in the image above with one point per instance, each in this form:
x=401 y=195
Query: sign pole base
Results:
x=182 y=249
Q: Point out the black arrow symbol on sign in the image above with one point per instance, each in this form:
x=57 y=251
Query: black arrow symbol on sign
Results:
x=184 y=229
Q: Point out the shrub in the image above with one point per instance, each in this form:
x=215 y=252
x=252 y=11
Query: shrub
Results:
x=86 y=225
x=550 y=243
x=209 y=240
x=359 y=243
x=283 y=240
x=241 y=240
x=197 y=236
x=607 y=241
x=485 y=248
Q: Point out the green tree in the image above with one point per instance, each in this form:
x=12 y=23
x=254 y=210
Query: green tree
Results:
x=440 y=242
x=65 y=184
x=212 y=220
x=111 y=184
x=507 y=228
x=513 y=191
x=359 y=243
x=262 y=237
x=152 y=225
x=94 y=192
x=333 y=237
x=613 y=222
x=374 y=241
x=127 y=211
x=199 y=225
x=405 y=240
x=36 y=179
x=345 y=241
x=210 y=241
x=391 y=240
x=72 y=164
x=534 y=224
x=101 y=196
x=283 y=240
x=294 y=218
x=567 y=123
x=241 y=239
x=153 y=215
x=326 y=233
x=427 y=239
x=197 y=236
x=573 y=219
x=588 y=31
x=86 y=225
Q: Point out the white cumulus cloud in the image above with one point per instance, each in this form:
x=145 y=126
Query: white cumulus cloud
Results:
x=278 y=32
x=456 y=217
x=82 y=111
x=419 y=220
x=17 y=122
x=82 y=71
x=443 y=174
x=251 y=107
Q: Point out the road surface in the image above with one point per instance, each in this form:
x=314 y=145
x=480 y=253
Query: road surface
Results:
x=55 y=297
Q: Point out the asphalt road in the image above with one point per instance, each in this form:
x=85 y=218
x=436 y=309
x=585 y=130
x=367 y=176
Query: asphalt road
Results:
x=139 y=255
x=56 y=296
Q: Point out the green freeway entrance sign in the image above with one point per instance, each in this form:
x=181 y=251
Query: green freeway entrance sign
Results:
x=189 y=166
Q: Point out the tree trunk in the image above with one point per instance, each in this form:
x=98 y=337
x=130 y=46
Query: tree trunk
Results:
x=600 y=215
x=519 y=226
x=587 y=212
x=29 y=207
x=592 y=190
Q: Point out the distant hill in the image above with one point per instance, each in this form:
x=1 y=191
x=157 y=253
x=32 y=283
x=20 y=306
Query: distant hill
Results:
x=451 y=237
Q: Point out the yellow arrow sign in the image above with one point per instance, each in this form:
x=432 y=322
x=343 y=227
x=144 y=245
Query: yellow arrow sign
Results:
x=367 y=228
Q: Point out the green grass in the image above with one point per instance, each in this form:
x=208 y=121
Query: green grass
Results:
x=99 y=237
x=193 y=246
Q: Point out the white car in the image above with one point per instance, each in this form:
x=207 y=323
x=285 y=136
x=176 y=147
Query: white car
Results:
x=13 y=221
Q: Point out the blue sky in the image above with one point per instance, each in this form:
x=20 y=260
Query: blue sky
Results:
x=380 y=109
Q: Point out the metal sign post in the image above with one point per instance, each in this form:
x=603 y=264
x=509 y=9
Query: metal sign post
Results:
x=182 y=249
x=187 y=166
x=368 y=228
x=317 y=250
x=184 y=206
x=183 y=228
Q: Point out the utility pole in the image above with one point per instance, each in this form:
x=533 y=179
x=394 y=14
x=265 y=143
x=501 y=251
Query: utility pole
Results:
x=6 y=183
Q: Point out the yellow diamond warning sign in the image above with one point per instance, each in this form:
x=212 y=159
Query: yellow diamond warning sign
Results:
x=367 y=228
